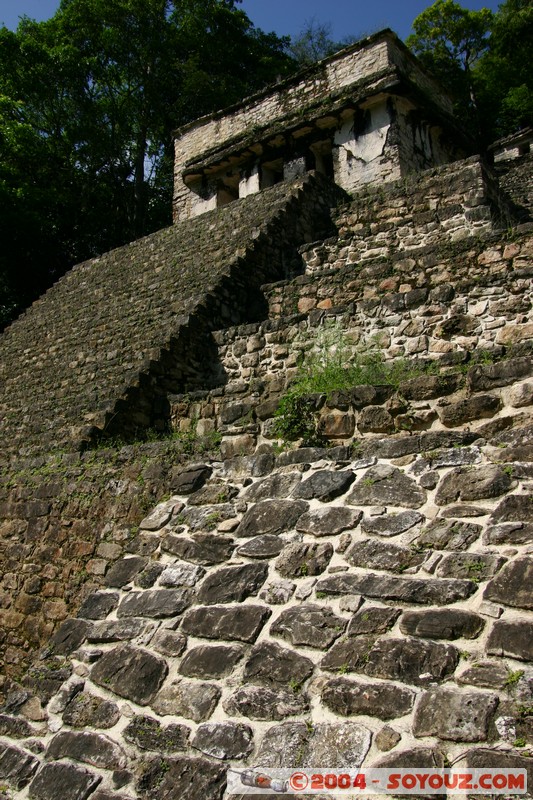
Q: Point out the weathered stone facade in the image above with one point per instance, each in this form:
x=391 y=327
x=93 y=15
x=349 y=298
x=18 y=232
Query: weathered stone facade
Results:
x=174 y=607
x=367 y=115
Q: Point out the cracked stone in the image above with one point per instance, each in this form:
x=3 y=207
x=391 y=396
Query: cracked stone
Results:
x=470 y=484
x=188 y=699
x=372 y=554
x=310 y=625
x=90 y=711
x=300 y=559
x=512 y=533
x=475 y=566
x=372 y=619
x=284 y=745
x=482 y=406
x=328 y=521
x=349 y=655
x=224 y=740
x=181 y=575
x=388 y=486
x=325 y=485
x=124 y=571
x=205 y=518
x=69 y=636
x=491 y=376
x=189 y=480
x=407 y=590
x=392 y=524
x=187 y=777
x=274 y=666
x=46 y=680
x=215 y=661
x=442 y=623
x=15 y=727
x=148 y=734
x=242 y=623
x=232 y=584
x=353 y=698
x=280 y=484
x=159 y=517
x=513 y=639
x=16 y=766
x=263 y=703
x=155 y=603
x=63 y=780
x=387 y=739
x=266 y=546
x=168 y=642
x=447 y=534
x=341 y=745
x=213 y=494
x=271 y=516
x=512 y=586
x=454 y=715
x=119 y=630
x=91 y=748
x=99 y=605
x=516 y=508
x=202 y=548
x=131 y=673
x=277 y=593
x=488 y=674
x=407 y=660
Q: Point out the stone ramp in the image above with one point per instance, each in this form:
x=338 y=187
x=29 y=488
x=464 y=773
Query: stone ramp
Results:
x=320 y=607
x=101 y=349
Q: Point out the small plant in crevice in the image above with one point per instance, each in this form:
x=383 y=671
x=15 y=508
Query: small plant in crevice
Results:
x=513 y=677
x=330 y=364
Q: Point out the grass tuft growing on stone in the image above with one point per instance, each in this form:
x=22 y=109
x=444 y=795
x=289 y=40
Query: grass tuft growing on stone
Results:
x=328 y=365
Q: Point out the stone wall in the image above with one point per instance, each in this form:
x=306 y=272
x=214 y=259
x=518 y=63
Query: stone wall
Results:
x=65 y=519
x=341 y=607
x=516 y=178
x=424 y=276
x=365 y=603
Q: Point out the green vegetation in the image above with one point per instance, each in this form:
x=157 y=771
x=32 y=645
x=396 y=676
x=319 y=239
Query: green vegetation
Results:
x=330 y=365
x=483 y=59
x=187 y=442
x=513 y=677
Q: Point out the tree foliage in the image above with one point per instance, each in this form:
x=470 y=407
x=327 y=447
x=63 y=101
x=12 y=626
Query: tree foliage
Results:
x=314 y=42
x=505 y=74
x=88 y=103
x=483 y=59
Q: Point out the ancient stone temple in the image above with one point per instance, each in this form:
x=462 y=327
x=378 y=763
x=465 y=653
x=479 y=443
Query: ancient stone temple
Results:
x=365 y=116
x=183 y=590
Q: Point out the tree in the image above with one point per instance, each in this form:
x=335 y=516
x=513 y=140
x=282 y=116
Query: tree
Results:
x=505 y=73
x=449 y=40
x=89 y=100
x=484 y=60
x=314 y=42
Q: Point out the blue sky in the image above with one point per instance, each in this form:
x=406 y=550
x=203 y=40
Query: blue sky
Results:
x=347 y=17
